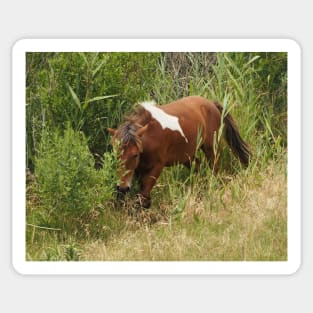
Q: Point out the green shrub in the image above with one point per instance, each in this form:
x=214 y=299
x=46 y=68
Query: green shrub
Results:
x=69 y=186
x=78 y=88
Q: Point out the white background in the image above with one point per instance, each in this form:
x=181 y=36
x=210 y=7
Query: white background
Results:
x=180 y=19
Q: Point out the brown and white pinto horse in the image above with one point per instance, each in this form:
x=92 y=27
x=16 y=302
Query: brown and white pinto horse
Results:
x=159 y=136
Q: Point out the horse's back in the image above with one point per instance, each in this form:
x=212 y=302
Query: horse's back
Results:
x=187 y=103
x=195 y=112
x=191 y=106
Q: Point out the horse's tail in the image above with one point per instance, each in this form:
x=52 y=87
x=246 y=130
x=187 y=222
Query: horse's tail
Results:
x=233 y=138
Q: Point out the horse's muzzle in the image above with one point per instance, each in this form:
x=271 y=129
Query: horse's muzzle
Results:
x=122 y=189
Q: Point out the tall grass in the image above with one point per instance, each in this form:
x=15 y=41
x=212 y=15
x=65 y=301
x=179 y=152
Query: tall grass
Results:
x=238 y=214
x=91 y=91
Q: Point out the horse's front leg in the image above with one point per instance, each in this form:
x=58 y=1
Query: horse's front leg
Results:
x=148 y=180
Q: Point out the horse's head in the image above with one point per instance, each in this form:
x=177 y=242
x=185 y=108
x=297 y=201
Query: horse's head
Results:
x=127 y=138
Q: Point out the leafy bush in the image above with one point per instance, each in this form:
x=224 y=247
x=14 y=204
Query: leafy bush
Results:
x=92 y=91
x=69 y=186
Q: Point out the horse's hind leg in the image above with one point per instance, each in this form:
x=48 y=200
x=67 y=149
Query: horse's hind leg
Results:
x=213 y=158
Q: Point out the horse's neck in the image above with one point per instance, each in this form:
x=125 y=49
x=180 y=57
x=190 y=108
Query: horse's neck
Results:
x=144 y=118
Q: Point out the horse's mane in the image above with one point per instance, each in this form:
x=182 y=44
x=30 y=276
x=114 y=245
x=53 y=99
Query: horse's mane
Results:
x=137 y=116
x=127 y=132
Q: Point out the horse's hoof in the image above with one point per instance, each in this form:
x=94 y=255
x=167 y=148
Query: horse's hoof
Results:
x=144 y=201
x=147 y=203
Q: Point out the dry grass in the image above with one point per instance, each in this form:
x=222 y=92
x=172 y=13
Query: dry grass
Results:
x=247 y=221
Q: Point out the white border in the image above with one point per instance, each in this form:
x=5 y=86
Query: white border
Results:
x=175 y=45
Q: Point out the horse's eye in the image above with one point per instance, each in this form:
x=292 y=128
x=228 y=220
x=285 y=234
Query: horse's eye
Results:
x=135 y=156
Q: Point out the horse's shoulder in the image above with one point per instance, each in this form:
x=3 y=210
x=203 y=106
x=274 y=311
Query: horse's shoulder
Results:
x=152 y=126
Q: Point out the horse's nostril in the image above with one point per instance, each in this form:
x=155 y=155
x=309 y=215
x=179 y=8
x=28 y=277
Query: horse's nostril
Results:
x=122 y=189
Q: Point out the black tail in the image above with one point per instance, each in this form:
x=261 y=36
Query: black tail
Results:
x=233 y=138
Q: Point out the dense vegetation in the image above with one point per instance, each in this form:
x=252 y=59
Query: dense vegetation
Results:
x=72 y=210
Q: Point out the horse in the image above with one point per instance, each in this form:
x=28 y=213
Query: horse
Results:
x=156 y=136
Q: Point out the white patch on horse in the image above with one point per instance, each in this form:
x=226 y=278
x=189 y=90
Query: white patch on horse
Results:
x=166 y=120
x=128 y=182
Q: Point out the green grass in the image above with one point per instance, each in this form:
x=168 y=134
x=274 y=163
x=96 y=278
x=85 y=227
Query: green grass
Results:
x=239 y=214
x=241 y=218
x=248 y=225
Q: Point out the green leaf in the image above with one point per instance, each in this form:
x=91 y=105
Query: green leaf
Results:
x=101 y=98
x=235 y=83
x=95 y=56
x=74 y=96
x=252 y=60
x=269 y=128
x=84 y=57
x=95 y=71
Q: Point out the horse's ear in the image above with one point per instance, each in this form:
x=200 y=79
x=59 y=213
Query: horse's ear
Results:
x=111 y=131
x=142 y=130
